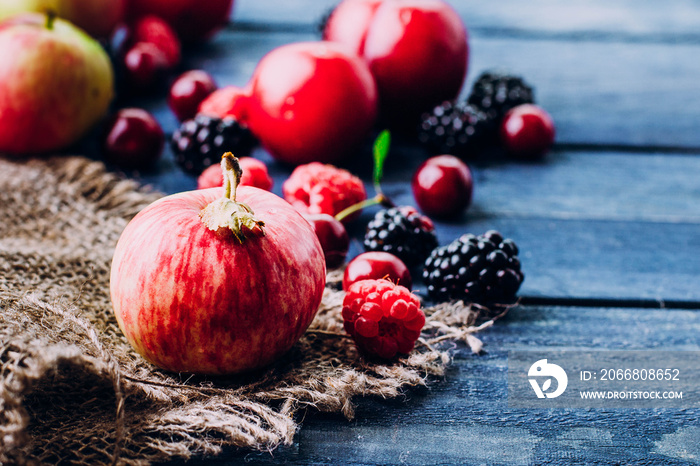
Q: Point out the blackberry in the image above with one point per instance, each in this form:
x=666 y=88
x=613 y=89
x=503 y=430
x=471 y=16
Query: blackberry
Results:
x=201 y=142
x=454 y=128
x=481 y=269
x=403 y=232
x=495 y=93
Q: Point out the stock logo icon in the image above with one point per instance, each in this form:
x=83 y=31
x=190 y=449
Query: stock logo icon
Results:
x=545 y=371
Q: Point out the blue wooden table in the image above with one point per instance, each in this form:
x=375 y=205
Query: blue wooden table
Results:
x=608 y=225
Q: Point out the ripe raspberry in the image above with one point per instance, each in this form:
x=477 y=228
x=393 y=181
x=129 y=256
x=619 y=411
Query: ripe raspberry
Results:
x=254 y=174
x=383 y=318
x=316 y=188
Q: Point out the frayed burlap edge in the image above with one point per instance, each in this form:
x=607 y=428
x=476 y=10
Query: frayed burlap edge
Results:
x=73 y=391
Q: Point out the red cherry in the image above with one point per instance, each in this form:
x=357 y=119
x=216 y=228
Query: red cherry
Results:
x=134 y=139
x=443 y=186
x=193 y=20
x=333 y=237
x=188 y=91
x=156 y=31
x=311 y=101
x=254 y=174
x=527 y=131
x=377 y=265
x=143 y=63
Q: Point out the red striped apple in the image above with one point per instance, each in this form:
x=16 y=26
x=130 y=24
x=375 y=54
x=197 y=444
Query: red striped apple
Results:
x=56 y=82
x=217 y=281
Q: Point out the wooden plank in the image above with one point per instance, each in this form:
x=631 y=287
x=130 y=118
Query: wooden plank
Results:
x=636 y=95
x=605 y=93
x=465 y=419
x=622 y=19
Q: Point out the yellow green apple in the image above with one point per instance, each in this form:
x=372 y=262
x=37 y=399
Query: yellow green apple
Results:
x=56 y=82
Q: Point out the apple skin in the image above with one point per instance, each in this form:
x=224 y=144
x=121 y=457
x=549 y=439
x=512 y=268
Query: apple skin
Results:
x=55 y=84
x=99 y=18
x=193 y=20
x=192 y=300
x=417 y=51
x=311 y=101
x=349 y=22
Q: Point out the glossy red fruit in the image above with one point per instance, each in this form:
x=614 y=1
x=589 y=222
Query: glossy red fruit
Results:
x=527 y=131
x=195 y=291
x=229 y=101
x=443 y=186
x=188 y=91
x=154 y=30
x=317 y=188
x=333 y=237
x=311 y=101
x=377 y=265
x=254 y=174
x=349 y=22
x=194 y=20
x=133 y=140
x=143 y=64
x=417 y=51
x=384 y=319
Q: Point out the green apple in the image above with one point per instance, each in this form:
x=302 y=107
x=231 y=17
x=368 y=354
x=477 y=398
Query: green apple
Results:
x=98 y=18
x=56 y=82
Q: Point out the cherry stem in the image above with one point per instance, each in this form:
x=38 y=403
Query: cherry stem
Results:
x=380 y=198
x=380 y=150
x=233 y=172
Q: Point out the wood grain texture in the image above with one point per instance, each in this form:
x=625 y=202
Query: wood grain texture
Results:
x=620 y=20
x=465 y=418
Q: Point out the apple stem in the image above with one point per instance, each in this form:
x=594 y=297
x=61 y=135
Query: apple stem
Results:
x=226 y=214
x=233 y=172
x=50 y=18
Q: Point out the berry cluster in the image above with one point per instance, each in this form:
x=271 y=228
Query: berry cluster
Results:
x=199 y=143
x=495 y=93
x=384 y=319
x=466 y=128
x=318 y=188
x=481 y=269
x=455 y=128
x=403 y=232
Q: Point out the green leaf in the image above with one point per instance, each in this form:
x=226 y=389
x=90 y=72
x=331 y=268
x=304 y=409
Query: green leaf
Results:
x=380 y=150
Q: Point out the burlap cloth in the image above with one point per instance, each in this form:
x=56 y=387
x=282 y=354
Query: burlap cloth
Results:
x=73 y=391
